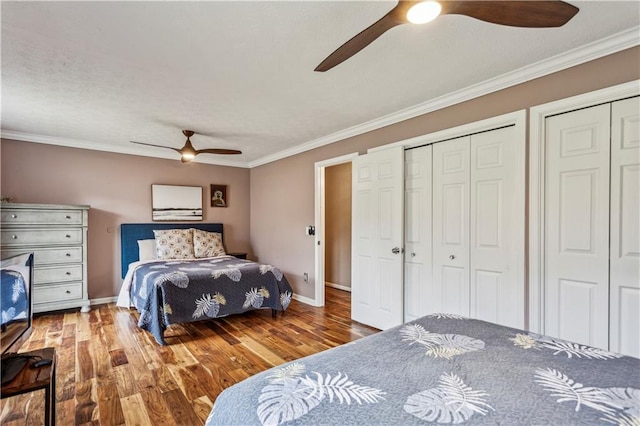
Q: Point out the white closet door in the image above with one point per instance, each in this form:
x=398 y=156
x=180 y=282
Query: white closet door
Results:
x=577 y=226
x=377 y=261
x=418 y=291
x=625 y=227
x=497 y=228
x=451 y=226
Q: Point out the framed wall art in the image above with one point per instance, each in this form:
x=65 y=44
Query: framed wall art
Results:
x=219 y=196
x=176 y=203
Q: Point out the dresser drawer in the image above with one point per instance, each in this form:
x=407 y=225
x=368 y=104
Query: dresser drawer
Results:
x=40 y=217
x=22 y=237
x=57 y=292
x=57 y=274
x=49 y=256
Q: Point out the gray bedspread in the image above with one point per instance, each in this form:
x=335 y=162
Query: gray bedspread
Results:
x=180 y=291
x=442 y=369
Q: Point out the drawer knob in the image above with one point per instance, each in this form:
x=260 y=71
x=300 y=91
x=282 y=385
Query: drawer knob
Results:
x=14 y=216
x=68 y=254
x=68 y=217
x=68 y=236
x=15 y=237
x=68 y=291
x=452 y=257
x=68 y=273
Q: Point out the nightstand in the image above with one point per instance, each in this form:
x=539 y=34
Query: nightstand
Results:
x=238 y=255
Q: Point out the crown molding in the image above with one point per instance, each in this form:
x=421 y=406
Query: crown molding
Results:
x=589 y=52
x=118 y=149
x=595 y=50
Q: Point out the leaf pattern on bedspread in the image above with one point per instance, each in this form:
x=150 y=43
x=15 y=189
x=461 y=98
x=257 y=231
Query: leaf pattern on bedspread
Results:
x=209 y=305
x=452 y=401
x=269 y=268
x=619 y=405
x=447 y=316
x=289 y=396
x=233 y=274
x=8 y=315
x=285 y=299
x=255 y=297
x=177 y=278
x=440 y=345
x=536 y=341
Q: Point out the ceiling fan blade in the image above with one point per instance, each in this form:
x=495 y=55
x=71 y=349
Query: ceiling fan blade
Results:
x=394 y=17
x=157 y=146
x=218 y=151
x=529 y=14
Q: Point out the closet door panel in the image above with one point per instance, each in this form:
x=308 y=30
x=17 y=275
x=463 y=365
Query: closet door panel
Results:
x=418 y=293
x=625 y=227
x=451 y=225
x=496 y=228
x=577 y=226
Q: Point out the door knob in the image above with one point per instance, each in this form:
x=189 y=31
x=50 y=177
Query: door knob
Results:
x=395 y=250
x=452 y=257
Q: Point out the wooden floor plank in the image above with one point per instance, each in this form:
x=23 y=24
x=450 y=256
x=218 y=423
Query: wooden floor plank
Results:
x=110 y=372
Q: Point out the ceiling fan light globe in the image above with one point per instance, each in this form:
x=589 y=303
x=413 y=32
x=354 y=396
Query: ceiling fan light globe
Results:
x=188 y=156
x=423 y=12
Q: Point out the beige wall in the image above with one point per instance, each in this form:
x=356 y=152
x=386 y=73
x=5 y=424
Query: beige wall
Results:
x=282 y=192
x=118 y=189
x=337 y=231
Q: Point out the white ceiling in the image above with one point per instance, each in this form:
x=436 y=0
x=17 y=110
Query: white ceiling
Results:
x=99 y=74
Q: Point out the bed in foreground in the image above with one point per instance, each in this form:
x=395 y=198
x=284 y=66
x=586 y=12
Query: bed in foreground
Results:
x=442 y=369
x=181 y=290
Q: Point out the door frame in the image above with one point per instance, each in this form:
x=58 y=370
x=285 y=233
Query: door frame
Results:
x=319 y=220
x=536 y=193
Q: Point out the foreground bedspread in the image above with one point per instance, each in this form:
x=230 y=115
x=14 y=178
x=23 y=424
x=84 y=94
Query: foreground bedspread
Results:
x=174 y=292
x=442 y=369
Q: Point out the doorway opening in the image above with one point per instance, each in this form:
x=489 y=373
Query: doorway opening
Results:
x=331 y=244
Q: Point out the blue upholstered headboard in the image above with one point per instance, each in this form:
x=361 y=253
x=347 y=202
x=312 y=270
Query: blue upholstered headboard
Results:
x=130 y=233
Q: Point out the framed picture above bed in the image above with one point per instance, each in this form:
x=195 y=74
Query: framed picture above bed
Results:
x=219 y=196
x=174 y=202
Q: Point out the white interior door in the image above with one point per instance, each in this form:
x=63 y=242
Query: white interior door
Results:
x=625 y=227
x=451 y=226
x=377 y=232
x=577 y=226
x=497 y=228
x=418 y=284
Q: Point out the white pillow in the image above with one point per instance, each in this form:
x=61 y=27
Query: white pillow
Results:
x=147 y=249
x=207 y=244
x=172 y=244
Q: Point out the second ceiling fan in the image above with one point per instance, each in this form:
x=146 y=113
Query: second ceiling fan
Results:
x=528 y=14
x=188 y=152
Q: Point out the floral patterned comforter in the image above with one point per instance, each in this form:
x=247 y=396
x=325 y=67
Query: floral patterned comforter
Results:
x=442 y=369
x=180 y=291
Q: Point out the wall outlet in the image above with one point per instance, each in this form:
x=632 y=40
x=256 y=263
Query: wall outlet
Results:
x=306 y=277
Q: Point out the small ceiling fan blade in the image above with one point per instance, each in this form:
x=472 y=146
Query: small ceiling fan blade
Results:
x=218 y=151
x=528 y=14
x=157 y=146
x=394 y=17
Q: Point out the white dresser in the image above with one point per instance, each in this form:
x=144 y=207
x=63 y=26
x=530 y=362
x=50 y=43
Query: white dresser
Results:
x=57 y=235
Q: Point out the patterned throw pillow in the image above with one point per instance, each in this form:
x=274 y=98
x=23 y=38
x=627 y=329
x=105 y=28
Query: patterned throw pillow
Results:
x=207 y=244
x=174 y=244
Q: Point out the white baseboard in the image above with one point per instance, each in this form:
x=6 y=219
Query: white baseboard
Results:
x=103 y=300
x=338 y=286
x=305 y=300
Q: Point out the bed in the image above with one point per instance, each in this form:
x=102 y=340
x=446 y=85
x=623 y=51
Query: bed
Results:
x=177 y=291
x=443 y=369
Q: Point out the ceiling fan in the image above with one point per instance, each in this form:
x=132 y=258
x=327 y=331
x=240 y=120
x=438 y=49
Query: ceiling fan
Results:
x=529 y=14
x=188 y=153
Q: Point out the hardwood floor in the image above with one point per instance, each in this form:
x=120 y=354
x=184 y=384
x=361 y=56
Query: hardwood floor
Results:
x=110 y=372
